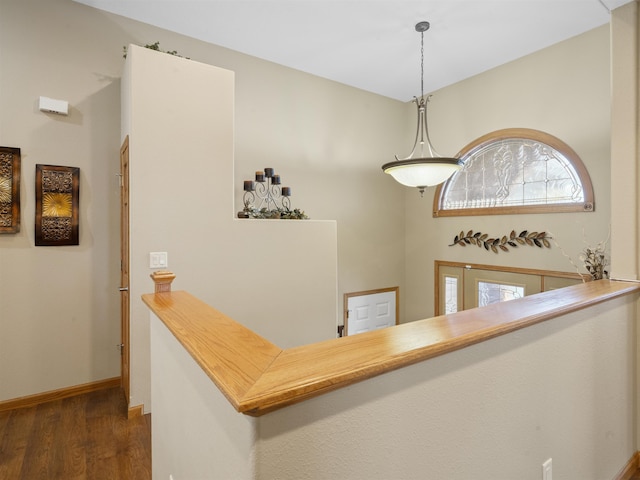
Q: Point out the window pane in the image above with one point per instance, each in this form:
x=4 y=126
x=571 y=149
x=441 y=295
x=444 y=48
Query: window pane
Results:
x=489 y=292
x=513 y=171
x=451 y=294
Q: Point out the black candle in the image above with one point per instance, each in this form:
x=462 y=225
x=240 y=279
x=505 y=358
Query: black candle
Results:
x=268 y=172
x=248 y=186
x=260 y=176
x=286 y=191
x=276 y=180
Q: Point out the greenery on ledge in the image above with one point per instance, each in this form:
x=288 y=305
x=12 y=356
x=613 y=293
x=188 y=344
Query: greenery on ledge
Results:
x=156 y=47
x=278 y=213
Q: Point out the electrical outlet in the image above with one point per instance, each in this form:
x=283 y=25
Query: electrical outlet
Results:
x=547 y=471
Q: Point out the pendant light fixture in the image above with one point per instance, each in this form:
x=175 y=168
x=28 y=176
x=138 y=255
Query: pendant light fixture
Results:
x=428 y=168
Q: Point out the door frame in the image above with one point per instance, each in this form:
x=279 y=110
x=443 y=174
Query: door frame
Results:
x=125 y=356
x=548 y=278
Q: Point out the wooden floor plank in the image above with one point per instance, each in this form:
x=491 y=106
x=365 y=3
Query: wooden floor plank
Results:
x=69 y=459
x=140 y=448
x=38 y=454
x=13 y=443
x=86 y=437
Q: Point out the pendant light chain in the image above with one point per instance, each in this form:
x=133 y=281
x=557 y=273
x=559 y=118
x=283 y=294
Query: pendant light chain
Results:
x=422 y=66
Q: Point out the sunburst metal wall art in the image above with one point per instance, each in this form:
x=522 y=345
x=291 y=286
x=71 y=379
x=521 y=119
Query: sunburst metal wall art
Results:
x=9 y=190
x=57 y=205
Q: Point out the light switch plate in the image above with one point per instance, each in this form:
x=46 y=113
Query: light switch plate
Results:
x=158 y=260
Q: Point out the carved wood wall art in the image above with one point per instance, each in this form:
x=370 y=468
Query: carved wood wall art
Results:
x=9 y=190
x=57 y=205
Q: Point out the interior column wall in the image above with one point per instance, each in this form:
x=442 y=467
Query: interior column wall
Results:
x=278 y=277
x=625 y=211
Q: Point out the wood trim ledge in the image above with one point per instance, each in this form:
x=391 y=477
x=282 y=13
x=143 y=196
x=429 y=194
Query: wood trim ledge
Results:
x=38 y=398
x=133 y=412
x=257 y=377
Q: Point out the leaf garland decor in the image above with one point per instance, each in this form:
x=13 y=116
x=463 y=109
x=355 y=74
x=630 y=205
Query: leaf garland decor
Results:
x=495 y=244
x=277 y=213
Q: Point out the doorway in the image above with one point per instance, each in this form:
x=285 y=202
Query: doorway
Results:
x=460 y=286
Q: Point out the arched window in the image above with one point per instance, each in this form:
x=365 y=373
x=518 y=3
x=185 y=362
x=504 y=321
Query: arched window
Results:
x=516 y=170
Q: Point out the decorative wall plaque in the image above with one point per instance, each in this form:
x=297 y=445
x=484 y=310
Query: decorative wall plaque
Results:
x=57 y=205
x=9 y=190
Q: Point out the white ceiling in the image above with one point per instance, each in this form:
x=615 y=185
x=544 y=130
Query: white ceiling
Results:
x=372 y=44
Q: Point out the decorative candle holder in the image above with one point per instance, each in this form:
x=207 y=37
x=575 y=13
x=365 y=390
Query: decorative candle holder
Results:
x=264 y=197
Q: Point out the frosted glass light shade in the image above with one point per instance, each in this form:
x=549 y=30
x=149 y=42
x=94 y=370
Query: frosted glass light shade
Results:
x=422 y=172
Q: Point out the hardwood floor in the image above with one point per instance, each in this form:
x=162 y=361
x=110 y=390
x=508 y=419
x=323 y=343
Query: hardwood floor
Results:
x=83 y=437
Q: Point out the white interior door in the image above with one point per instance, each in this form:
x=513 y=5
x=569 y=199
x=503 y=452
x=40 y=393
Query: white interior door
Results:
x=370 y=311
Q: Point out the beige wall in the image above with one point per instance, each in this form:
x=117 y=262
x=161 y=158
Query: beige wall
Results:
x=563 y=90
x=61 y=304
